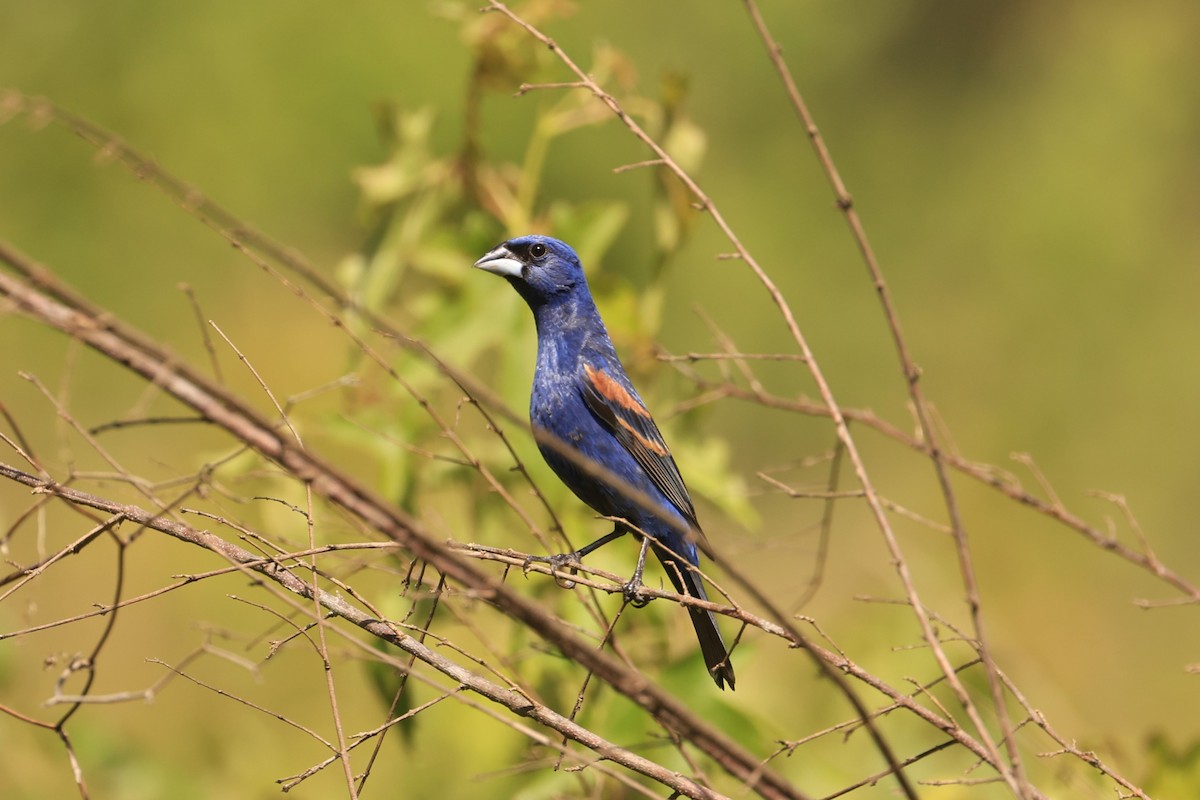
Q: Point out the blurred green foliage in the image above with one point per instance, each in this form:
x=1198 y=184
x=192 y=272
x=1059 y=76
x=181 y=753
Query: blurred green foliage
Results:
x=1028 y=174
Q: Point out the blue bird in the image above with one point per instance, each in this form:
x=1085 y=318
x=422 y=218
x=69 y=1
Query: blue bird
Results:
x=591 y=427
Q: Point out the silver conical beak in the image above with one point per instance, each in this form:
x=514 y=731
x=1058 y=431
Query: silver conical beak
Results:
x=501 y=261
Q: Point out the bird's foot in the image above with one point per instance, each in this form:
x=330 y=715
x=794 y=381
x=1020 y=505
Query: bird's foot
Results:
x=558 y=563
x=632 y=592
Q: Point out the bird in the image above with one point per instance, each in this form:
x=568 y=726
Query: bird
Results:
x=597 y=435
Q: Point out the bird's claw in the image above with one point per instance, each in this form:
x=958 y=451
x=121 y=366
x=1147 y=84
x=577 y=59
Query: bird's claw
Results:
x=558 y=563
x=632 y=592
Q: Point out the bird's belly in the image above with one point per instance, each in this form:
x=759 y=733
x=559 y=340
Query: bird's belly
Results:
x=581 y=452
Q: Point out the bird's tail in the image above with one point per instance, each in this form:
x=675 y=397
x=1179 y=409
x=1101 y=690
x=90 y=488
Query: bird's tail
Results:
x=687 y=581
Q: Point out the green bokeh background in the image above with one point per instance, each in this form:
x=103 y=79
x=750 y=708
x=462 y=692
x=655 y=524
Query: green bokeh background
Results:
x=1029 y=175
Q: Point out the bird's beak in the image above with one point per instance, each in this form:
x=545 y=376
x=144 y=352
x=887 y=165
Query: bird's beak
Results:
x=501 y=261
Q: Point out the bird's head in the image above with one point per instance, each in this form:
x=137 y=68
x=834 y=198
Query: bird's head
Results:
x=541 y=268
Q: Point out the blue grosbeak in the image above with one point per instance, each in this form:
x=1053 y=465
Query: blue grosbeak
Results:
x=592 y=427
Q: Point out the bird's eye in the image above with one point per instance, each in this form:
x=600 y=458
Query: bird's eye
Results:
x=537 y=250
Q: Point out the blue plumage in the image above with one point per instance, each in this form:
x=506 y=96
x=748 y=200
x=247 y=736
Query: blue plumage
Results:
x=587 y=412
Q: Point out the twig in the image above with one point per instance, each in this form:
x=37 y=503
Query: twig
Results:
x=229 y=412
x=1014 y=776
x=514 y=701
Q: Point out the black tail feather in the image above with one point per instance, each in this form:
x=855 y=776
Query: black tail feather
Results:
x=712 y=646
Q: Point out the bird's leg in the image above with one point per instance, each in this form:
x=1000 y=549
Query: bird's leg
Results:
x=617 y=532
x=632 y=589
x=561 y=560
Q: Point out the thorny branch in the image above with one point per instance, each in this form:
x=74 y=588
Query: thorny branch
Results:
x=516 y=701
x=912 y=374
x=58 y=307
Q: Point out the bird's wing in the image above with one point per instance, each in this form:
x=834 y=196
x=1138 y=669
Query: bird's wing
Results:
x=623 y=413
